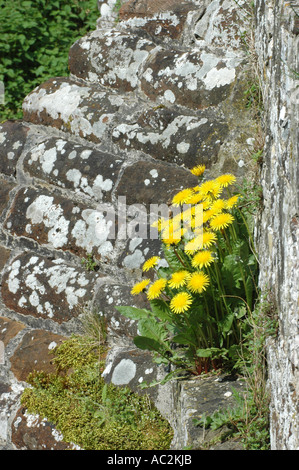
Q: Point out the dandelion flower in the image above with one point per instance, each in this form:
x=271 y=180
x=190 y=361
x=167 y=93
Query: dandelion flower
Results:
x=178 y=279
x=232 y=201
x=225 y=180
x=140 y=286
x=156 y=288
x=195 y=199
x=209 y=188
x=198 y=282
x=194 y=245
x=202 y=259
x=198 y=170
x=221 y=221
x=208 y=238
x=182 y=197
x=173 y=238
x=150 y=263
x=180 y=302
x=217 y=206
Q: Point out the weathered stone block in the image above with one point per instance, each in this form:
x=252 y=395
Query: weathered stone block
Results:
x=110 y=296
x=30 y=432
x=83 y=111
x=44 y=288
x=13 y=135
x=110 y=58
x=198 y=397
x=167 y=134
x=196 y=79
x=53 y=220
x=160 y=18
x=154 y=183
x=34 y=353
x=130 y=367
x=73 y=166
x=9 y=329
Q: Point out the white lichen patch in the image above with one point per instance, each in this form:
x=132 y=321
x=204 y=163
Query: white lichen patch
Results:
x=13 y=281
x=221 y=77
x=44 y=211
x=93 y=230
x=124 y=372
x=113 y=59
x=133 y=131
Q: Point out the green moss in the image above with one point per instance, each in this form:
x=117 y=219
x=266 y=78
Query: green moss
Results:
x=90 y=413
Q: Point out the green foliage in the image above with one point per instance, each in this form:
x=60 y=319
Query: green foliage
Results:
x=89 y=413
x=35 y=40
x=89 y=263
x=248 y=420
x=199 y=302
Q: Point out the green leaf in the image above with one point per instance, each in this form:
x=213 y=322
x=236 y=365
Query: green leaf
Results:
x=133 y=312
x=152 y=329
x=145 y=343
x=226 y=323
x=204 y=352
x=160 y=310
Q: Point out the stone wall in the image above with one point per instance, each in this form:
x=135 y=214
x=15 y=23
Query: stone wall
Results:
x=277 y=44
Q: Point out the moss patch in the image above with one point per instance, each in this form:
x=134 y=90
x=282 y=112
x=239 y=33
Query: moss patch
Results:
x=90 y=413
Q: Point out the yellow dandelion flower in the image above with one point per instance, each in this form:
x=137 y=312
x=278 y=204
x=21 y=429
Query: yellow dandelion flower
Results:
x=202 y=259
x=154 y=291
x=210 y=188
x=173 y=238
x=194 y=245
x=178 y=279
x=208 y=238
x=198 y=282
x=206 y=216
x=217 y=206
x=226 y=180
x=150 y=263
x=232 y=201
x=182 y=197
x=180 y=302
x=140 y=286
x=195 y=199
x=221 y=221
x=198 y=170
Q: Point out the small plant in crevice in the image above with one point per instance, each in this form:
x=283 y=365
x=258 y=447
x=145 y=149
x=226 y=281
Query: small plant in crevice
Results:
x=198 y=303
x=248 y=420
x=89 y=263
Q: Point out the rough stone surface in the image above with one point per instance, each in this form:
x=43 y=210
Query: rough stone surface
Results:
x=278 y=228
x=12 y=140
x=33 y=353
x=75 y=167
x=199 y=396
x=50 y=289
x=30 y=432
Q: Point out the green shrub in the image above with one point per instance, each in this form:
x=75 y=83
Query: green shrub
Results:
x=35 y=40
